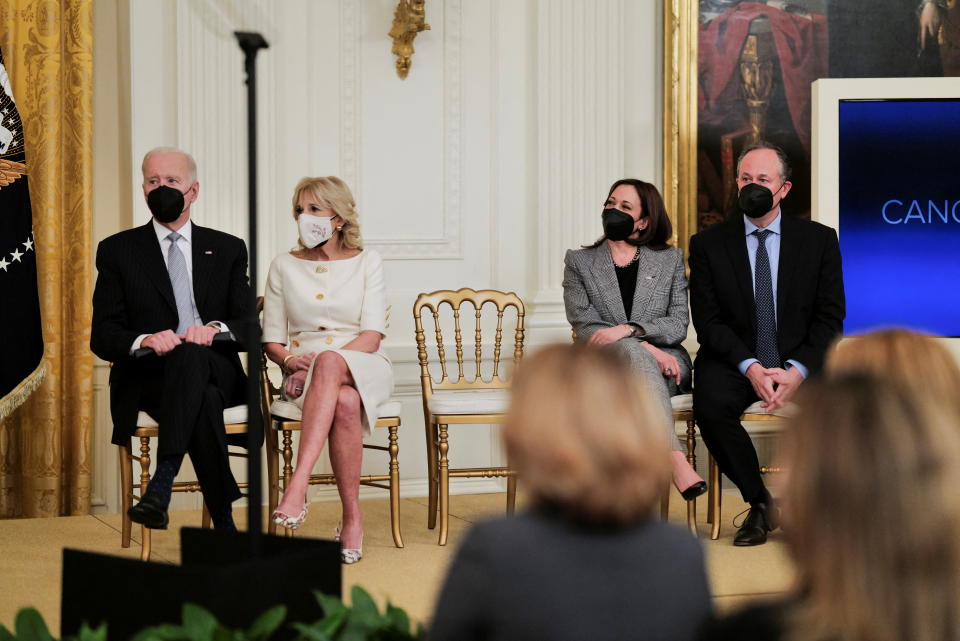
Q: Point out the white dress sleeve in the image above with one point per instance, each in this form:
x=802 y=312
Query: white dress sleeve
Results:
x=274 y=307
x=373 y=314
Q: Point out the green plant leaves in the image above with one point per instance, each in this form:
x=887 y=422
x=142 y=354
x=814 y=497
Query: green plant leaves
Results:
x=29 y=626
x=267 y=623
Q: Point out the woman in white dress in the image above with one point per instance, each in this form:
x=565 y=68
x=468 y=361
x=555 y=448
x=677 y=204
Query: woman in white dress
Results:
x=324 y=315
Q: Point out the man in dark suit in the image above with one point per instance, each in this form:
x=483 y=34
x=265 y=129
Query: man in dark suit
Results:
x=171 y=286
x=766 y=296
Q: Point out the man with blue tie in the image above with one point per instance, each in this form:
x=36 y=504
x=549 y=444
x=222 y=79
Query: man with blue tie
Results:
x=766 y=297
x=170 y=286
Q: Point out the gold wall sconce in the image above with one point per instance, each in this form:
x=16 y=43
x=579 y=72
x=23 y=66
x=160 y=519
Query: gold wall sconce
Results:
x=409 y=19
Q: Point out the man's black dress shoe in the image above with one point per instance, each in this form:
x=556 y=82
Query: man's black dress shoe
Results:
x=150 y=512
x=761 y=519
x=694 y=490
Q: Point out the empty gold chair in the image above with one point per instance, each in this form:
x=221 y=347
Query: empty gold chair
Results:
x=458 y=400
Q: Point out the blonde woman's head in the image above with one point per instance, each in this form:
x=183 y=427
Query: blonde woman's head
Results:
x=331 y=192
x=918 y=362
x=584 y=435
x=873 y=511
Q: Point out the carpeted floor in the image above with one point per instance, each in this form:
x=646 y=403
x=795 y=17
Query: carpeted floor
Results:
x=30 y=553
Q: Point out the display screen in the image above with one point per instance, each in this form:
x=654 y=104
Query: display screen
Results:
x=900 y=214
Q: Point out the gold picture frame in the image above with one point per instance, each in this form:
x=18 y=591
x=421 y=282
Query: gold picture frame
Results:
x=680 y=117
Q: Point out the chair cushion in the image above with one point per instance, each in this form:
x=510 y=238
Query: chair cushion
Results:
x=235 y=414
x=787 y=411
x=681 y=402
x=469 y=401
x=285 y=410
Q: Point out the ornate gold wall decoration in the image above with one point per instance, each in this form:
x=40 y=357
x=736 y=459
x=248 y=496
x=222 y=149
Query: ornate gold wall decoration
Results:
x=409 y=19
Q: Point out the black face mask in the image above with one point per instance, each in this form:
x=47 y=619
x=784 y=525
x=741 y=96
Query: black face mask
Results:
x=165 y=203
x=755 y=200
x=616 y=224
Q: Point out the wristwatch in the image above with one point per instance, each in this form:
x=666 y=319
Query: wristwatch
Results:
x=636 y=331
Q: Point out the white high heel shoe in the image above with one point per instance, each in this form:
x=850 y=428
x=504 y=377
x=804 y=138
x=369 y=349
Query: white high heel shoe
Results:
x=290 y=522
x=348 y=556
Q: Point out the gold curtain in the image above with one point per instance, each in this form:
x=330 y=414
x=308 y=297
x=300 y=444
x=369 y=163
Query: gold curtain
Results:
x=45 y=445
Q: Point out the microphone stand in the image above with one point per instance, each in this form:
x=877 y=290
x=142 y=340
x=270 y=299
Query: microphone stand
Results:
x=251 y=43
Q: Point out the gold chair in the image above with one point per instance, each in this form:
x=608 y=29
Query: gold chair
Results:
x=459 y=401
x=682 y=405
x=235 y=422
x=285 y=416
x=757 y=423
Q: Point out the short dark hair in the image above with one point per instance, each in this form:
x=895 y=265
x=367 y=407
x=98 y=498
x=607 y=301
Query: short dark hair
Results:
x=658 y=231
x=786 y=171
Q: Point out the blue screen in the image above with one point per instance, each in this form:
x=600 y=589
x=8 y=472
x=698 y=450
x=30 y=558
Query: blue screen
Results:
x=900 y=214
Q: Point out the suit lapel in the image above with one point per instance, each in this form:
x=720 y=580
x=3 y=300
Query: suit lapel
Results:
x=791 y=253
x=649 y=268
x=607 y=283
x=152 y=263
x=736 y=245
x=203 y=256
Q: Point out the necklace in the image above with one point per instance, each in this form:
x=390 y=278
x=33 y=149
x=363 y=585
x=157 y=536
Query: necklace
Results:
x=636 y=257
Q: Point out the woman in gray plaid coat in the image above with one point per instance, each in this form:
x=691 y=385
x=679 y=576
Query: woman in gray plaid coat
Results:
x=628 y=292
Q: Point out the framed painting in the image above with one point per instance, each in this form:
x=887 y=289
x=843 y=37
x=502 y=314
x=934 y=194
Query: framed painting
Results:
x=736 y=72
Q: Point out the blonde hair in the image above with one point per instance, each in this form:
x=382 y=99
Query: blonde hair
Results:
x=874 y=512
x=914 y=361
x=334 y=193
x=191 y=163
x=584 y=435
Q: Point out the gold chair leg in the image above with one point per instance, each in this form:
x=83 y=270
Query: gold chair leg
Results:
x=444 y=485
x=273 y=475
x=394 y=449
x=692 y=460
x=511 y=494
x=715 y=497
x=145 y=538
x=432 y=475
x=144 y=482
x=665 y=504
x=288 y=468
x=126 y=494
x=205 y=519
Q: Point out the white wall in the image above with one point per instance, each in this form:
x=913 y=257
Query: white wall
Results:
x=480 y=169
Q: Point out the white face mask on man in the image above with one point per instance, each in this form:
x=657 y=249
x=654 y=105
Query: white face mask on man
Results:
x=314 y=230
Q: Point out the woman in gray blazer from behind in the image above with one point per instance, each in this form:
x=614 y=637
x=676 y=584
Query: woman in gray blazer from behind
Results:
x=628 y=292
x=586 y=558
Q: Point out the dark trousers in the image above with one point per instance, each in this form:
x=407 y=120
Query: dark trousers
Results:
x=191 y=386
x=720 y=395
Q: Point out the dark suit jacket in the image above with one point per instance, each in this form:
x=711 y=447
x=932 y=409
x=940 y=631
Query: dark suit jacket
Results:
x=540 y=576
x=810 y=299
x=133 y=296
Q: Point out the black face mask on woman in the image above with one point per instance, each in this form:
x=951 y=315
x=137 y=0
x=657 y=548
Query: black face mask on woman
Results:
x=755 y=200
x=616 y=224
x=165 y=203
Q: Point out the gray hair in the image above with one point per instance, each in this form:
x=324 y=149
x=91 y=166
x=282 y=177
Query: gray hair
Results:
x=191 y=163
x=785 y=169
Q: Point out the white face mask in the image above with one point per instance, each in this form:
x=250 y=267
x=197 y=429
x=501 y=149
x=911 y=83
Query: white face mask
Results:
x=314 y=230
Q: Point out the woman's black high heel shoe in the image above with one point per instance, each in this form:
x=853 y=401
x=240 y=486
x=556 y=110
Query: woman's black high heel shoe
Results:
x=694 y=490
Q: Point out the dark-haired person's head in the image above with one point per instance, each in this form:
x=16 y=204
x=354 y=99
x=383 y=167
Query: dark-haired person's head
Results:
x=642 y=202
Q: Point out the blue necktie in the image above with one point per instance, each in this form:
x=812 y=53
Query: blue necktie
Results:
x=177 y=266
x=767 y=351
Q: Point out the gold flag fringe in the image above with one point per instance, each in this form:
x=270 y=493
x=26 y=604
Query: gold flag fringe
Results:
x=19 y=394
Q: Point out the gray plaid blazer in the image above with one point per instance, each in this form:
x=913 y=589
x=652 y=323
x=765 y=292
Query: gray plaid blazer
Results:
x=592 y=296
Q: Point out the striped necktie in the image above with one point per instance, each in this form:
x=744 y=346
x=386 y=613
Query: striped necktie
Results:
x=767 y=351
x=180 y=279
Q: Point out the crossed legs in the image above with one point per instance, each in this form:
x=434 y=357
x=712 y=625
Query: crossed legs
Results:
x=331 y=409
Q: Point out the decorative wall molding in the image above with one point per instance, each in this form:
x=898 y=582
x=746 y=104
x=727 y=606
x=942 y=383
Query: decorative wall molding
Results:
x=447 y=244
x=580 y=126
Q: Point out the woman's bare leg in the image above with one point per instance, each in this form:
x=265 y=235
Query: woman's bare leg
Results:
x=330 y=372
x=346 y=456
x=683 y=473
